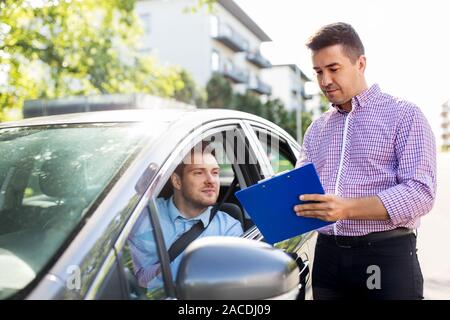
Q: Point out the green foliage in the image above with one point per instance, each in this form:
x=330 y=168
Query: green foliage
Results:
x=277 y=113
x=219 y=92
x=248 y=102
x=188 y=92
x=290 y=245
x=306 y=121
x=220 y=95
x=209 y=4
x=324 y=103
x=56 y=48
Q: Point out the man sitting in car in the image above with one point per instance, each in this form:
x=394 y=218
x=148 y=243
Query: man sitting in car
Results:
x=196 y=187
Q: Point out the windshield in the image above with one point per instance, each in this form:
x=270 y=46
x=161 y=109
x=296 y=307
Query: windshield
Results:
x=49 y=177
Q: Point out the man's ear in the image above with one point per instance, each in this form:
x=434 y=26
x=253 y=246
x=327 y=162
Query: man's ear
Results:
x=362 y=61
x=176 y=181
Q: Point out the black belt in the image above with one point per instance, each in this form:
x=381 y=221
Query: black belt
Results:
x=357 y=241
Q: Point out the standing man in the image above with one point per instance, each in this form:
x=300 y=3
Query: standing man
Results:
x=376 y=158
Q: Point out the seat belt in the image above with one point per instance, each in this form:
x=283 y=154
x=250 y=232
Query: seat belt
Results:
x=186 y=238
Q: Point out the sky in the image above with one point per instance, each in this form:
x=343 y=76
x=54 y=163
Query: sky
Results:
x=406 y=42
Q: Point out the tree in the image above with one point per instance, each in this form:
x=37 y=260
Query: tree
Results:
x=220 y=95
x=324 y=103
x=248 y=103
x=219 y=92
x=189 y=92
x=55 y=48
x=306 y=121
x=209 y=4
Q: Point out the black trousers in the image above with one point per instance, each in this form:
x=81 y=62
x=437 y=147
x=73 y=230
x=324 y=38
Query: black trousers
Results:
x=383 y=270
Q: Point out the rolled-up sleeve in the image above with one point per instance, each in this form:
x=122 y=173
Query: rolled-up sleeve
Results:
x=415 y=149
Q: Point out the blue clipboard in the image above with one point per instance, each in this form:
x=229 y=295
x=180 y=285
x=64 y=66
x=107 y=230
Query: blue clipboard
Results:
x=270 y=203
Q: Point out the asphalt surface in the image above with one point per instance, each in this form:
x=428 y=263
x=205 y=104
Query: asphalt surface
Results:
x=434 y=237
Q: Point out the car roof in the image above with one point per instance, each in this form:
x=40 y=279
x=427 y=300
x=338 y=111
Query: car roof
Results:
x=156 y=116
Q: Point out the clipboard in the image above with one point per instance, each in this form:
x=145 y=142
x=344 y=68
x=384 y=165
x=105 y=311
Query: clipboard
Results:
x=270 y=203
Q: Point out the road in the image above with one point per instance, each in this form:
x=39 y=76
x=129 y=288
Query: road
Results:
x=434 y=237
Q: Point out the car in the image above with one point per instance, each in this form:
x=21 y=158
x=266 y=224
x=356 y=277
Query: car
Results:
x=73 y=186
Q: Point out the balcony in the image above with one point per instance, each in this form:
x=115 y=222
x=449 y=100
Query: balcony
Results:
x=231 y=38
x=304 y=95
x=446 y=106
x=446 y=140
x=235 y=74
x=258 y=60
x=299 y=91
x=260 y=87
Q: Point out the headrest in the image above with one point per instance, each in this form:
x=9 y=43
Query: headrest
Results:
x=62 y=175
x=167 y=190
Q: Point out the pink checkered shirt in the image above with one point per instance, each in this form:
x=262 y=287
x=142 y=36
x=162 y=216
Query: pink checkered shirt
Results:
x=383 y=147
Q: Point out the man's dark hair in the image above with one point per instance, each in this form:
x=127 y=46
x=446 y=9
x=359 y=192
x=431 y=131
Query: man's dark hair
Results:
x=202 y=147
x=338 y=33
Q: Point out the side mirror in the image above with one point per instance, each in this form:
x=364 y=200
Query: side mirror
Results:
x=231 y=268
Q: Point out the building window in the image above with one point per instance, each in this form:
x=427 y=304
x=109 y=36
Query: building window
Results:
x=214 y=26
x=146 y=19
x=215 y=61
x=245 y=44
x=228 y=66
x=253 y=80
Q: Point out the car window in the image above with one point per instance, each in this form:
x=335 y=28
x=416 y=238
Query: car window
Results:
x=230 y=152
x=49 y=178
x=277 y=150
x=225 y=161
x=282 y=158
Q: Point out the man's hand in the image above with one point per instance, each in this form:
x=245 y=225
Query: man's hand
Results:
x=329 y=207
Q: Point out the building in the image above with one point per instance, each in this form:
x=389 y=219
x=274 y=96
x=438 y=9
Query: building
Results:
x=446 y=125
x=225 y=41
x=288 y=84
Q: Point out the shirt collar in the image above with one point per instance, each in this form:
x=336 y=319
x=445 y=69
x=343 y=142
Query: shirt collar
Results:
x=363 y=98
x=367 y=95
x=174 y=214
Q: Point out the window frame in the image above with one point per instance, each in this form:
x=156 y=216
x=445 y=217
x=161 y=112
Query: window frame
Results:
x=284 y=139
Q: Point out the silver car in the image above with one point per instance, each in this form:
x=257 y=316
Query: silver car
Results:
x=72 y=187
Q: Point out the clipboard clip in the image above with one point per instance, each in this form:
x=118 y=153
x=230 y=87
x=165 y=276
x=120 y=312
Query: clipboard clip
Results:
x=276 y=174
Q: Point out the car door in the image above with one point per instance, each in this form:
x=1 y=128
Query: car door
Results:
x=244 y=167
x=280 y=153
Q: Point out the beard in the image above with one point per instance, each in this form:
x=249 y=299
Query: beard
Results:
x=198 y=200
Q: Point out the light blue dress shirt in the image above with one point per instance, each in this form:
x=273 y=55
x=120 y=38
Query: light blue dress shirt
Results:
x=173 y=225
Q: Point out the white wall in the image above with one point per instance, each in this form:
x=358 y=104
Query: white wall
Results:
x=281 y=79
x=179 y=38
x=239 y=58
x=284 y=80
x=185 y=39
